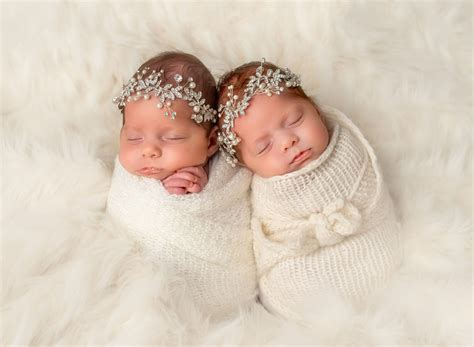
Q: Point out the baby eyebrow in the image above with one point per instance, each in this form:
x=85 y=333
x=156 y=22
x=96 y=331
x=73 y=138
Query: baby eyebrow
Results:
x=260 y=139
x=125 y=127
x=175 y=133
x=294 y=112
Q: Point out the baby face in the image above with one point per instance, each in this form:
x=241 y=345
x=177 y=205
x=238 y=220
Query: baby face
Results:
x=280 y=134
x=155 y=146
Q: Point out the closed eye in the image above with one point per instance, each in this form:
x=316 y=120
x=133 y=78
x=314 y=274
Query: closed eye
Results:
x=174 y=138
x=262 y=149
x=134 y=139
x=297 y=120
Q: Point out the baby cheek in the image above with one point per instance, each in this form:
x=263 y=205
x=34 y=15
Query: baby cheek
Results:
x=264 y=167
x=190 y=155
x=280 y=167
x=127 y=158
x=322 y=138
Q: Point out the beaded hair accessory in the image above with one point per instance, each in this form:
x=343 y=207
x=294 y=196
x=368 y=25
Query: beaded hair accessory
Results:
x=269 y=83
x=140 y=86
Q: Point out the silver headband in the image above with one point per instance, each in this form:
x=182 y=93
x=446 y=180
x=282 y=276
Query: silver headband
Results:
x=140 y=86
x=269 y=83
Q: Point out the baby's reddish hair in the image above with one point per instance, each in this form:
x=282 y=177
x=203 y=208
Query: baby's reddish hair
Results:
x=240 y=76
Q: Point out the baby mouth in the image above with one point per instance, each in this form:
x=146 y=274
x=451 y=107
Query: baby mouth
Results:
x=301 y=156
x=149 y=170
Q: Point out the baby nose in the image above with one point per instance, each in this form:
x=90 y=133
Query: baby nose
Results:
x=288 y=141
x=151 y=151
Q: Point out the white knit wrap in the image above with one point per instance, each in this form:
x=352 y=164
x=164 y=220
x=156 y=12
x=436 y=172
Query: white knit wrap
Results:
x=328 y=226
x=203 y=237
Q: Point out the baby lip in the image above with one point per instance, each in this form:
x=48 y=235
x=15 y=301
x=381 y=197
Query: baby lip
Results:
x=149 y=170
x=301 y=156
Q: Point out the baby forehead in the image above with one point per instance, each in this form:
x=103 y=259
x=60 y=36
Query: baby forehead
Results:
x=159 y=122
x=265 y=108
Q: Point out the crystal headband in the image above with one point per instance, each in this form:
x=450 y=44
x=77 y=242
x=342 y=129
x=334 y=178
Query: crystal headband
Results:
x=269 y=83
x=140 y=86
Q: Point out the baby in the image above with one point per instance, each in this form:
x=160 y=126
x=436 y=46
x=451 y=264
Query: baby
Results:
x=187 y=209
x=322 y=217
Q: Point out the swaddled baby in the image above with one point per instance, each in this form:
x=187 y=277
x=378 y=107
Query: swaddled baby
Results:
x=185 y=207
x=322 y=216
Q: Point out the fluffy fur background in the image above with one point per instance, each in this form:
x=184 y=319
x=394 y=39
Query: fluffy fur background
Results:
x=402 y=71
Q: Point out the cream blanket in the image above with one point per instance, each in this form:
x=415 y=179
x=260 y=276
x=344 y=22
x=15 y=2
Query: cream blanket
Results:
x=203 y=237
x=406 y=82
x=329 y=226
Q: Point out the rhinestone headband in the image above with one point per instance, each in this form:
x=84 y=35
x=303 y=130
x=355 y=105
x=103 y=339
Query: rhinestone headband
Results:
x=268 y=83
x=140 y=86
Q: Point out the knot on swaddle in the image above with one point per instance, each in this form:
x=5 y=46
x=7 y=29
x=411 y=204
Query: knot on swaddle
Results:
x=335 y=222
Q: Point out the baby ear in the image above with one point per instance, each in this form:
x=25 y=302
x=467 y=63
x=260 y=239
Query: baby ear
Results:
x=212 y=144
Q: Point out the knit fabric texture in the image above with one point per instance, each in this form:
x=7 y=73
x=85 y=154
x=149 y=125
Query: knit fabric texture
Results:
x=204 y=237
x=329 y=226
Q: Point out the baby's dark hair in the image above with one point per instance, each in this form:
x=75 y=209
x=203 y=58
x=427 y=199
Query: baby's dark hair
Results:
x=186 y=65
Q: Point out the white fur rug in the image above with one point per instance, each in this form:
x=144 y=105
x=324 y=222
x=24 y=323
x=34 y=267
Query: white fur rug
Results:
x=401 y=70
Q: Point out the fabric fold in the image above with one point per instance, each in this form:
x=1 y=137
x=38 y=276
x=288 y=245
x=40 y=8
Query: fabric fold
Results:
x=329 y=225
x=204 y=237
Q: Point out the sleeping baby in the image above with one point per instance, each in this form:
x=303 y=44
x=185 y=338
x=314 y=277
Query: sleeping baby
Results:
x=322 y=216
x=184 y=206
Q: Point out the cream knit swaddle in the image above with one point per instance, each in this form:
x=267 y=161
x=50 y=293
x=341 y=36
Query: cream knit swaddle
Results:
x=328 y=226
x=203 y=237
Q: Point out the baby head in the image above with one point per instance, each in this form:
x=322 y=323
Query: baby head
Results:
x=169 y=116
x=267 y=122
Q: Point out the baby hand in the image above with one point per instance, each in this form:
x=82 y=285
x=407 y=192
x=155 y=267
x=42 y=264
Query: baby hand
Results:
x=186 y=180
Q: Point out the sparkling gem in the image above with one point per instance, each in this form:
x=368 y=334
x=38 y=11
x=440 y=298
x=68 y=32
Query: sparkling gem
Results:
x=153 y=85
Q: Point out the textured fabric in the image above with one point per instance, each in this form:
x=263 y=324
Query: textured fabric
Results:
x=204 y=237
x=401 y=69
x=328 y=226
